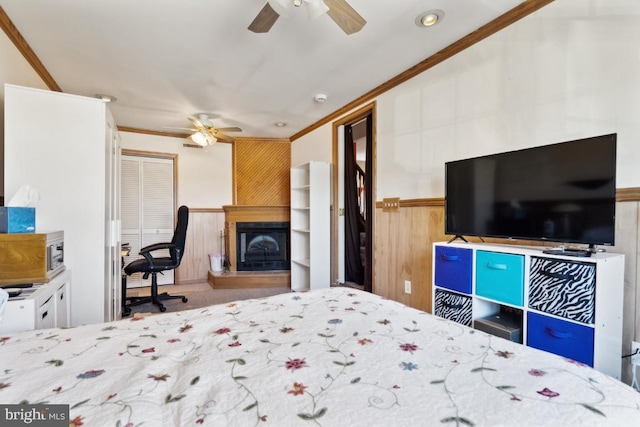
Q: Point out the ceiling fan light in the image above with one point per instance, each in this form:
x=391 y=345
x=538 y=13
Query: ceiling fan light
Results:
x=200 y=138
x=211 y=139
x=281 y=7
x=316 y=8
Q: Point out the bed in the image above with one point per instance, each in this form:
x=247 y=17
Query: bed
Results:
x=331 y=357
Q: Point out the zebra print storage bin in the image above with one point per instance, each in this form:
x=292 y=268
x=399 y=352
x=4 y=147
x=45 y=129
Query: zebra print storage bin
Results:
x=452 y=306
x=563 y=288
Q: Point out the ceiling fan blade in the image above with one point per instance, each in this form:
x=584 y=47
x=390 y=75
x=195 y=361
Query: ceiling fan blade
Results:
x=224 y=138
x=264 y=20
x=229 y=129
x=199 y=126
x=192 y=145
x=345 y=16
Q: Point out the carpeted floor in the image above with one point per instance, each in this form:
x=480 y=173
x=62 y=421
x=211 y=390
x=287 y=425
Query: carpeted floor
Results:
x=200 y=295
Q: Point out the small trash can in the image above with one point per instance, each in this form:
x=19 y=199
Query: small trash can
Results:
x=217 y=262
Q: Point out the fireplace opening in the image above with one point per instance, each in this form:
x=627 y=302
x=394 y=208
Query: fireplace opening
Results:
x=262 y=246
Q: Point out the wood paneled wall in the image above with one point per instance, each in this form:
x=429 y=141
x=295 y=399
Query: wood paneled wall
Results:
x=403 y=242
x=204 y=237
x=261 y=171
x=403 y=247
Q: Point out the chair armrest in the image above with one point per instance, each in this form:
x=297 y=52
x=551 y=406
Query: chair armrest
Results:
x=146 y=251
x=156 y=247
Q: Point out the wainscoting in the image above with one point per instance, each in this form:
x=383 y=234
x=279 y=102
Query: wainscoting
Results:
x=204 y=237
x=402 y=250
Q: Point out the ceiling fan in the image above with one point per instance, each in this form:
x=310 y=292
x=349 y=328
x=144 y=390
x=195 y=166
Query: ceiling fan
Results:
x=339 y=10
x=204 y=133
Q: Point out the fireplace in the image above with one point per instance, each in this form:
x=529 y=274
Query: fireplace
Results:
x=262 y=246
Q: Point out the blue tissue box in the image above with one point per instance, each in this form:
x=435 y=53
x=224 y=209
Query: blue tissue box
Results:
x=17 y=220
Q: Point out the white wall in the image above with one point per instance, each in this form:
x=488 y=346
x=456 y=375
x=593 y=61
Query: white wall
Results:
x=555 y=76
x=16 y=70
x=570 y=70
x=312 y=146
x=204 y=175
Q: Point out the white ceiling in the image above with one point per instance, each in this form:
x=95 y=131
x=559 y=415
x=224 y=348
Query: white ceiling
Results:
x=165 y=60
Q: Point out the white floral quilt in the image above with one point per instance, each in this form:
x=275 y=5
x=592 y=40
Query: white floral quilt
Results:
x=334 y=357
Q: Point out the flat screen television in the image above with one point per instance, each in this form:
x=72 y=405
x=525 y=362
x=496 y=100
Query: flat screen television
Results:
x=563 y=192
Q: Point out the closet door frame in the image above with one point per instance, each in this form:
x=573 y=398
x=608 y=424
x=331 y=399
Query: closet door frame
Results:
x=136 y=280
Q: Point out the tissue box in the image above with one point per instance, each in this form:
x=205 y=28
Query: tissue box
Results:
x=17 y=219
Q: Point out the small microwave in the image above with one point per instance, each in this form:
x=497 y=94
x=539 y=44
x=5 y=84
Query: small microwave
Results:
x=30 y=257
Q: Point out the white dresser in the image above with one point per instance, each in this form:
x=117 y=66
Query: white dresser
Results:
x=42 y=306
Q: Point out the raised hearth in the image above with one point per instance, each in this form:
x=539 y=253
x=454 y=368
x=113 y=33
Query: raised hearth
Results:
x=249 y=279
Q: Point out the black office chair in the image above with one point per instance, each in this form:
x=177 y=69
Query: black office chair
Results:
x=150 y=265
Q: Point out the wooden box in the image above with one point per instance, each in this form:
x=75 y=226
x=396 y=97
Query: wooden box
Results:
x=23 y=258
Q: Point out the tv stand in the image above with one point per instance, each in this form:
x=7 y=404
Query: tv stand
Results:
x=564 y=305
x=456 y=237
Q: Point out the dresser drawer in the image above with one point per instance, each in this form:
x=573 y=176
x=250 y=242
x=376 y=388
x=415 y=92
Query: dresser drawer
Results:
x=453 y=306
x=500 y=277
x=560 y=337
x=453 y=268
x=563 y=288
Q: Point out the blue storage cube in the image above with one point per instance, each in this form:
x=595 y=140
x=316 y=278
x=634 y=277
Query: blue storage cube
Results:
x=17 y=219
x=500 y=277
x=560 y=337
x=453 y=268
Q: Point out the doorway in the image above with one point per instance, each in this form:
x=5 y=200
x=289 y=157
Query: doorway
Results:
x=353 y=216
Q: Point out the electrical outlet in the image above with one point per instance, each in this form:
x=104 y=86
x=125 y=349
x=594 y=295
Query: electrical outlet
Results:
x=407 y=286
x=391 y=204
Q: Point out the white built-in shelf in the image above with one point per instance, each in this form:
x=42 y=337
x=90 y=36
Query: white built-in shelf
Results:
x=310 y=226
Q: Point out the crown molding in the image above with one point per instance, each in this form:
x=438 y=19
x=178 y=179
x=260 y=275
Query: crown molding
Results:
x=23 y=47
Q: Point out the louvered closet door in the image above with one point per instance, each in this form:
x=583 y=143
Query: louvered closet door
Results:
x=147 y=209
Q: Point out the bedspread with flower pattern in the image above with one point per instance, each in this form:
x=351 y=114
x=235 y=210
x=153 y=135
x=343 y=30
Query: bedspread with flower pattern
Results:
x=333 y=357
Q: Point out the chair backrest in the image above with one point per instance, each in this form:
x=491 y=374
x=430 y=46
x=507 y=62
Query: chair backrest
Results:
x=180 y=235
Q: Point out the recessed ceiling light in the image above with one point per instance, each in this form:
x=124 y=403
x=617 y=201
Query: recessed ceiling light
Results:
x=429 y=18
x=105 y=98
x=280 y=124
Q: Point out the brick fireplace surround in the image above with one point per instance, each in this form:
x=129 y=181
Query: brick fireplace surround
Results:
x=249 y=279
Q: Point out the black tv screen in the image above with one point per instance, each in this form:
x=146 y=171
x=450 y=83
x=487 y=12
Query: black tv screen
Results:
x=562 y=192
